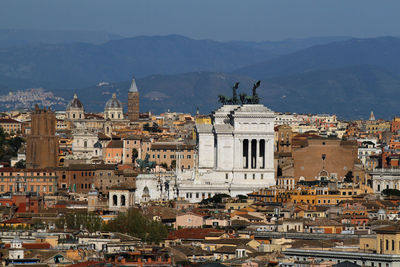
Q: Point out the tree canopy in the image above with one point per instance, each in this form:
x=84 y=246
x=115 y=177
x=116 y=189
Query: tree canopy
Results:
x=215 y=199
x=135 y=224
x=391 y=192
x=9 y=146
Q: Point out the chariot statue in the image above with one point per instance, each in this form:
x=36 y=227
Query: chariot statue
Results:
x=243 y=97
x=146 y=164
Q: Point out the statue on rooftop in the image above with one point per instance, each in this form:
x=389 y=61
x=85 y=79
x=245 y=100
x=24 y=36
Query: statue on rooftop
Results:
x=146 y=164
x=243 y=97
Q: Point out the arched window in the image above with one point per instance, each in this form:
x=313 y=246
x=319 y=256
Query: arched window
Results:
x=115 y=200
x=85 y=144
x=119 y=115
x=123 y=200
x=73 y=115
x=112 y=115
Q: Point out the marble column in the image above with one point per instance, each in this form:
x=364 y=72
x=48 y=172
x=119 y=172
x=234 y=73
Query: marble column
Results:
x=249 y=154
x=257 y=159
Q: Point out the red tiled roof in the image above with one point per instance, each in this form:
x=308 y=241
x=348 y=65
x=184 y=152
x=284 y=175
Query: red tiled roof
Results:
x=9 y=121
x=16 y=220
x=86 y=264
x=192 y=233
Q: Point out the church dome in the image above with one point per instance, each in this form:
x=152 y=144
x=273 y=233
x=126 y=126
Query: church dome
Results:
x=75 y=103
x=113 y=102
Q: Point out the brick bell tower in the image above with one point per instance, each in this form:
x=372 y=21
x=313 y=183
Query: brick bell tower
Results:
x=133 y=102
x=42 y=143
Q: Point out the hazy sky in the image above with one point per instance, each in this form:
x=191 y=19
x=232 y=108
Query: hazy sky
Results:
x=209 y=19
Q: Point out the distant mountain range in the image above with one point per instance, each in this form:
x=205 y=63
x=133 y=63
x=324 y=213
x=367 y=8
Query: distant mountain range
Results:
x=349 y=77
x=383 y=52
x=350 y=92
x=83 y=62
x=14 y=37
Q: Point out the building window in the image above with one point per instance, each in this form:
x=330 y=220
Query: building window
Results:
x=38 y=188
x=245 y=176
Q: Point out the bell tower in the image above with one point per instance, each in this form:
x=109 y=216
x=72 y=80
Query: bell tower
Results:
x=133 y=102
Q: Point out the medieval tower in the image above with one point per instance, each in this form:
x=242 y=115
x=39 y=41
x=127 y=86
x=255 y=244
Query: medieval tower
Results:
x=42 y=143
x=133 y=102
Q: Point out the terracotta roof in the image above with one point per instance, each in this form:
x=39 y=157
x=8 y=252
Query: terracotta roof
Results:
x=323 y=222
x=9 y=121
x=192 y=233
x=115 y=144
x=229 y=241
x=87 y=264
x=388 y=229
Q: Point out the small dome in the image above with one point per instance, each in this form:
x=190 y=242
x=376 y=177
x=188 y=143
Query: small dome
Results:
x=75 y=103
x=113 y=102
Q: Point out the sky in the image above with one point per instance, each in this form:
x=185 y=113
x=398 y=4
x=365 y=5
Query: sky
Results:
x=223 y=20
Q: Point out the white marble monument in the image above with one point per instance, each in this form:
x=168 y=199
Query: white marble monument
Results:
x=235 y=153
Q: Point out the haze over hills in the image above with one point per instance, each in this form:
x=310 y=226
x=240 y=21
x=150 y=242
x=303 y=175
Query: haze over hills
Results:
x=349 y=77
x=351 y=92
x=68 y=64
x=382 y=51
x=14 y=37
x=83 y=64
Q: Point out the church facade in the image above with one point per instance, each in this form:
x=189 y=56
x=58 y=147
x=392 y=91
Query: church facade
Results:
x=235 y=153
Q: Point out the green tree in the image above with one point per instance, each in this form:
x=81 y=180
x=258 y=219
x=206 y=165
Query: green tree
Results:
x=76 y=221
x=391 y=192
x=348 y=178
x=164 y=165
x=173 y=164
x=20 y=164
x=135 y=224
x=215 y=199
x=9 y=146
x=135 y=154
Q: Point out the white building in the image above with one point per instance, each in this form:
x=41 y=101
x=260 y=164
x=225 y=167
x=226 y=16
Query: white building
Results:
x=367 y=148
x=83 y=143
x=235 y=153
x=16 y=250
x=113 y=109
x=75 y=110
x=121 y=197
x=151 y=186
x=385 y=179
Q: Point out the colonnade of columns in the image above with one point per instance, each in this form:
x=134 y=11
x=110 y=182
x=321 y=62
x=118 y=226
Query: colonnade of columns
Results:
x=253 y=151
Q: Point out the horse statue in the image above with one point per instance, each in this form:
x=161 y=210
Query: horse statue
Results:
x=254 y=99
x=146 y=164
